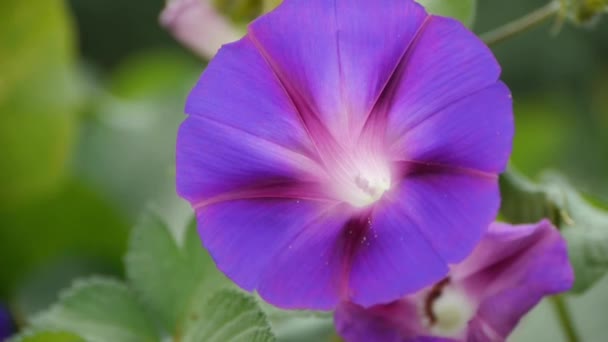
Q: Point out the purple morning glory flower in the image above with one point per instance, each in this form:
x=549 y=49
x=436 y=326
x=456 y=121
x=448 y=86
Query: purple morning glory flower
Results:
x=345 y=150
x=482 y=299
x=6 y=324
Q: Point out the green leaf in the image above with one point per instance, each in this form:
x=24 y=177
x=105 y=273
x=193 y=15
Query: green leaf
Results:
x=463 y=10
x=228 y=316
x=584 y=226
x=239 y=11
x=299 y=325
x=39 y=98
x=524 y=201
x=269 y=5
x=160 y=76
x=544 y=133
x=99 y=310
x=28 y=27
x=75 y=222
x=47 y=336
x=302 y=328
x=170 y=278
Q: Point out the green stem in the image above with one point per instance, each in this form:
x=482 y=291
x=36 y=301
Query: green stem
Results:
x=565 y=318
x=522 y=24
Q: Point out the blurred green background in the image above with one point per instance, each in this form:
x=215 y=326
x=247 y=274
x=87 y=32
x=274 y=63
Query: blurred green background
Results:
x=91 y=95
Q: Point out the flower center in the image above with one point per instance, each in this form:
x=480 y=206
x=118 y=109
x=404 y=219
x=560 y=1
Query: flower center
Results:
x=449 y=311
x=362 y=181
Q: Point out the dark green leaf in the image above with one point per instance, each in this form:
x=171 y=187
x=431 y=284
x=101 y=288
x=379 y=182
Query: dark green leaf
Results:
x=584 y=226
x=74 y=222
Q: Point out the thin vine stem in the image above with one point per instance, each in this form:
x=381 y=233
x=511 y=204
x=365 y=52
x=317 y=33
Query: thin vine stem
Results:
x=565 y=319
x=522 y=24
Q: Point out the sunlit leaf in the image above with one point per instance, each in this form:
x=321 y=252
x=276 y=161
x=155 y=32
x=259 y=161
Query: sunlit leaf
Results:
x=463 y=10
x=239 y=11
x=269 y=5
x=99 y=310
x=543 y=136
x=39 y=97
x=48 y=336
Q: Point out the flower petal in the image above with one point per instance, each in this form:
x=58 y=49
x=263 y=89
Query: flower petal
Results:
x=246 y=237
x=239 y=89
x=335 y=57
x=452 y=208
x=243 y=129
x=214 y=160
x=509 y=273
x=394 y=322
x=392 y=258
x=310 y=271
x=475 y=132
x=445 y=64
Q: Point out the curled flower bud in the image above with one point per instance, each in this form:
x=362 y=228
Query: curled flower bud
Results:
x=584 y=11
x=198 y=25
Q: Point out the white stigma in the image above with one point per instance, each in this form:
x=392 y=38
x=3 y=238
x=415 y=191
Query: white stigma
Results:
x=364 y=182
x=453 y=311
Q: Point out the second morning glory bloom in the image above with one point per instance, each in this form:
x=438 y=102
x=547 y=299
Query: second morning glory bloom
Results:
x=482 y=299
x=345 y=150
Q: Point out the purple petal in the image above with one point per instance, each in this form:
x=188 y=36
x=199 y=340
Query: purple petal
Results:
x=510 y=272
x=310 y=271
x=249 y=239
x=452 y=208
x=475 y=132
x=215 y=160
x=198 y=25
x=335 y=57
x=445 y=64
x=243 y=129
x=392 y=258
x=393 y=322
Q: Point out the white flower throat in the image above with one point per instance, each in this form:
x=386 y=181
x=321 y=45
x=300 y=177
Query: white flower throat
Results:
x=362 y=180
x=448 y=310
